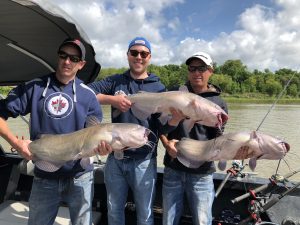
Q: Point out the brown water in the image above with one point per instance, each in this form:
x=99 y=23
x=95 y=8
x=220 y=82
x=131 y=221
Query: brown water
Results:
x=283 y=121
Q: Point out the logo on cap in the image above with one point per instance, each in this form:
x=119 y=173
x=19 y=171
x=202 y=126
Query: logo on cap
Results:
x=142 y=42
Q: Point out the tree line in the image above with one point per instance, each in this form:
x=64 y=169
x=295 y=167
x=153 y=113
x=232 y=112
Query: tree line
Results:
x=233 y=77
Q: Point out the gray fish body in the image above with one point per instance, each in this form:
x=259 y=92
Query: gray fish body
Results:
x=197 y=109
x=58 y=149
x=193 y=153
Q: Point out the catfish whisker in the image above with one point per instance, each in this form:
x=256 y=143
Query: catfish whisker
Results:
x=286 y=163
x=151 y=144
x=151 y=132
x=294 y=154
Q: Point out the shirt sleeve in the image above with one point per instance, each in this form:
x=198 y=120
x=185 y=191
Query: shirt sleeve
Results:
x=17 y=102
x=95 y=109
x=104 y=86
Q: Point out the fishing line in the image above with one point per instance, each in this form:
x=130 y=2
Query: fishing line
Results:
x=276 y=100
x=272 y=106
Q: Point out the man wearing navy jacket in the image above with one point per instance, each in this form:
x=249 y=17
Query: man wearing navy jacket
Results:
x=136 y=169
x=58 y=103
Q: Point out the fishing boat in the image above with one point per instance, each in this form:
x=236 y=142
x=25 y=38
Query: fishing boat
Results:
x=29 y=33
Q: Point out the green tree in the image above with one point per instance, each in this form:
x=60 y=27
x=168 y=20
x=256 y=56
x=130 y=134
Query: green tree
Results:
x=236 y=70
x=223 y=81
x=292 y=90
x=273 y=87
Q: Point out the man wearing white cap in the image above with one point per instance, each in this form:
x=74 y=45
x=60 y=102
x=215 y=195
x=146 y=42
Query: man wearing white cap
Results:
x=196 y=183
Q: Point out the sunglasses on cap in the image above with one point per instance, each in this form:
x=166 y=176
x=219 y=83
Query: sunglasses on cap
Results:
x=135 y=53
x=199 y=68
x=64 y=55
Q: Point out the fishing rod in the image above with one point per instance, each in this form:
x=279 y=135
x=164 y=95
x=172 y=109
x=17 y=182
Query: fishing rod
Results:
x=235 y=170
x=261 y=209
x=274 y=180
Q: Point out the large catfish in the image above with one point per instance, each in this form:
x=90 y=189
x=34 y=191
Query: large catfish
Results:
x=195 y=108
x=193 y=153
x=52 y=151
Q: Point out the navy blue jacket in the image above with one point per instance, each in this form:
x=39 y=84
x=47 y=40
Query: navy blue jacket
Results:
x=198 y=132
x=124 y=83
x=54 y=108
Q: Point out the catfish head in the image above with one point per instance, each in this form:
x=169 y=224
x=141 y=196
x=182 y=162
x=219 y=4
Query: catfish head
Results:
x=271 y=147
x=125 y=136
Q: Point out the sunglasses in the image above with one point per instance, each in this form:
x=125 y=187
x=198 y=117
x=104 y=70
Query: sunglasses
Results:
x=64 y=55
x=143 y=54
x=199 y=68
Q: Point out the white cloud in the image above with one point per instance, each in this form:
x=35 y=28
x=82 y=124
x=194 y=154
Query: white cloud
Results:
x=265 y=38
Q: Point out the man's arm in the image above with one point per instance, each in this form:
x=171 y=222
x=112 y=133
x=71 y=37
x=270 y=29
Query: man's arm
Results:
x=169 y=145
x=20 y=145
x=118 y=101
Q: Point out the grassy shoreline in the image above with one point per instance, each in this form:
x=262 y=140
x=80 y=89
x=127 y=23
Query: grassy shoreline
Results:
x=283 y=101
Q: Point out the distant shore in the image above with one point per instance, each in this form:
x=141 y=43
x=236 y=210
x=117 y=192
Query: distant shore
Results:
x=255 y=98
x=284 y=101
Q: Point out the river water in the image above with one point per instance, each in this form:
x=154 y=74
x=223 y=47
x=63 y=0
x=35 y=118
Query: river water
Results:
x=283 y=121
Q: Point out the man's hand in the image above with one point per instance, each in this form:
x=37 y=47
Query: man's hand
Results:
x=171 y=149
x=103 y=148
x=121 y=102
x=177 y=116
x=22 y=148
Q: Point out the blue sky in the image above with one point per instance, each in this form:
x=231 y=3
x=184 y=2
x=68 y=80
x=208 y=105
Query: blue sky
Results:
x=261 y=33
x=206 y=19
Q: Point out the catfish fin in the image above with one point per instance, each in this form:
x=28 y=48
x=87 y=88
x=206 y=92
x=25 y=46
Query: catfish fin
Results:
x=141 y=113
x=164 y=118
x=188 y=162
x=91 y=121
x=85 y=162
x=44 y=136
x=116 y=113
x=253 y=135
x=188 y=124
x=222 y=165
x=252 y=164
x=47 y=166
x=183 y=88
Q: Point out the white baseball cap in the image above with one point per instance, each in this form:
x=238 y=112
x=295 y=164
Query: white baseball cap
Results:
x=203 y=56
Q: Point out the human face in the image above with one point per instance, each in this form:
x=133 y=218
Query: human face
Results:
x=199 y=77
x=138 y=64
x=66 y=68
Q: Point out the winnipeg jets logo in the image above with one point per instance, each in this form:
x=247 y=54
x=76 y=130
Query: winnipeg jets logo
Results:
x=58 y=105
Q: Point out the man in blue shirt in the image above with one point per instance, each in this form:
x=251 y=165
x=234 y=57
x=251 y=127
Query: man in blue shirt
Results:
x=58 y=103
x=136 y=169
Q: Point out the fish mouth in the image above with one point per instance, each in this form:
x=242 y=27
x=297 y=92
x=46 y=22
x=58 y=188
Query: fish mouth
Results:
x=147 y=132
x=286 y=146
x=222 y=118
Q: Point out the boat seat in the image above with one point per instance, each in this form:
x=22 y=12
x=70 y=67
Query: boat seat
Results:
x=14 y=212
